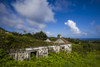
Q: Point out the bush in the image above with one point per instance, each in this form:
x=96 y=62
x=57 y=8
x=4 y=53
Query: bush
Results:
x=61 y=59
x=4 y=57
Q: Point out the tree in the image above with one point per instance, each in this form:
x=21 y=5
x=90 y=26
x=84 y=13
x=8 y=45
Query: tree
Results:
x=24 y=32
x=2 y=38
x=16 y=34
x=3 y=56
x=9 y=39
x=40 y=35
x=28 y=34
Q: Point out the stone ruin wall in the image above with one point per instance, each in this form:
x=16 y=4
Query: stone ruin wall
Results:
x=40 y=51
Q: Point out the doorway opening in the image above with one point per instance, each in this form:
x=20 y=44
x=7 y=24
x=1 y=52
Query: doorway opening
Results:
x=33 y=54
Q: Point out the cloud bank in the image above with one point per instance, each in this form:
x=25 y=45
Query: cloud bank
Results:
x=62 y=5
x=73 y=28
x=29 y=15
x=37 y=10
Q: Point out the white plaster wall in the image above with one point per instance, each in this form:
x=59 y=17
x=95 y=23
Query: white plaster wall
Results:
x=43 y=52
x=35 y=48
x=15 y=56
x=55 y=48
x=20 y=56
x=68 y=47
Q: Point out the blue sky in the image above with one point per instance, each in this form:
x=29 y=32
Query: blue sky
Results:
x=70 y=18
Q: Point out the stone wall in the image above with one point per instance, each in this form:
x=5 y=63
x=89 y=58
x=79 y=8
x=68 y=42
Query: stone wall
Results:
x=66 y=47
x=39 y=51
x=54 y=48
x=43 y=52
x=20 y=56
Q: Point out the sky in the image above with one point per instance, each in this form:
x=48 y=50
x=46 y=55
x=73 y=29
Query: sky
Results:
x=70 y=18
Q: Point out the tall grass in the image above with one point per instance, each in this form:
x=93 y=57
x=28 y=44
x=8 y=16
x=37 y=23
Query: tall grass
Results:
x=62 y=59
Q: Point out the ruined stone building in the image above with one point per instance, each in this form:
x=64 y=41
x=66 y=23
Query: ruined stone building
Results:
x=59 y=44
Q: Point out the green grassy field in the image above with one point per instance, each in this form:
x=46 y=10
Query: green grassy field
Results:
x=84 y=53
x=62 y=59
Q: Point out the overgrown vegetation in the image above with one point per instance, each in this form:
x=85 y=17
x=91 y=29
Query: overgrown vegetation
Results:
x=15 y=40
x=84 y=53
x=62 y=59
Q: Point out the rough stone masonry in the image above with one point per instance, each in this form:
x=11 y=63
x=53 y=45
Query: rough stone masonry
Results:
x=26 y=54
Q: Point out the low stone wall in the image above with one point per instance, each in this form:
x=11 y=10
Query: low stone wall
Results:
x=39 y=51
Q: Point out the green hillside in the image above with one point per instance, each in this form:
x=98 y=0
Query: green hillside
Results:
x=84 y=53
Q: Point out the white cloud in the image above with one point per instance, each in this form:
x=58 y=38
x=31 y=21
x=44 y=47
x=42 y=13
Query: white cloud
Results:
x=37 y=10
x=2 y=9
x=29 y=15
x=74 y=29
x=49 y=34
x=59 y=5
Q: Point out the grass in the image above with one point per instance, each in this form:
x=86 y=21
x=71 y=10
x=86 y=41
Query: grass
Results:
x=91 y=60
x=62 y=59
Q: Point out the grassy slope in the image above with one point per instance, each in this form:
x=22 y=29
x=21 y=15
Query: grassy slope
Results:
x=60 y=60
x=74 y=59
x=91 y=60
